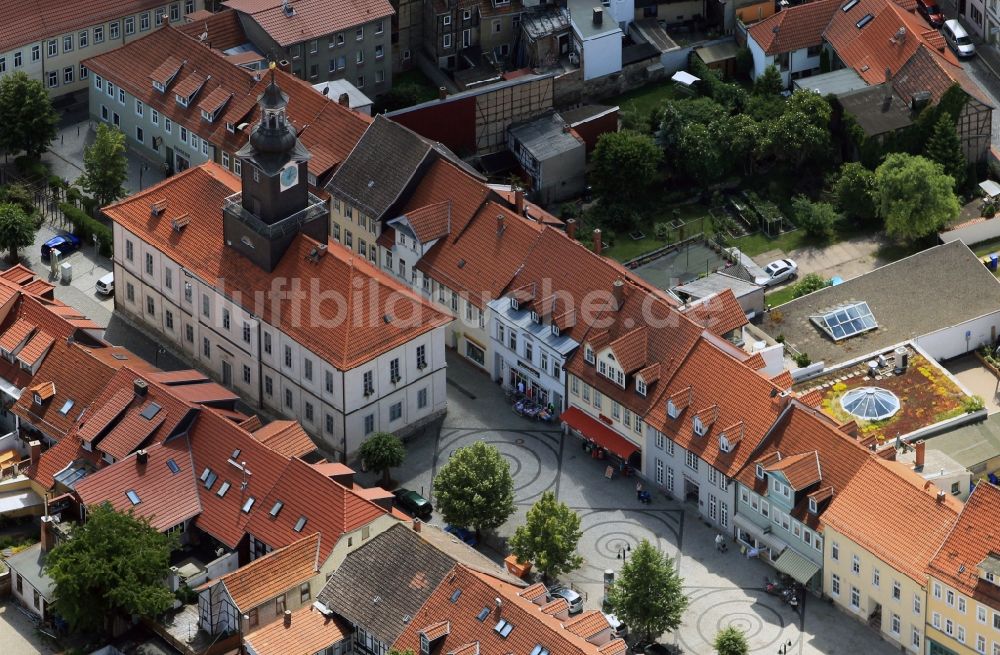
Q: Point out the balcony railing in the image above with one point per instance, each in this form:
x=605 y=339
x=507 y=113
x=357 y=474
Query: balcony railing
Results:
x=233 y=205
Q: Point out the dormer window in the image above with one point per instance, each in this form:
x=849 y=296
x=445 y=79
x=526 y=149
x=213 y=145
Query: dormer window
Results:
x=813 y=507
x=760 y=472
x=230 y=128
x=640 y=387
x=724 y=444
x=207 y=115
x=182 y=100
x=672 y=410
x=534 y=317
x=514 y=304
x=698 y=426
x=159 y=87
x=425 y=644
x=588 y=354
x=37 y=398
x=555 y=330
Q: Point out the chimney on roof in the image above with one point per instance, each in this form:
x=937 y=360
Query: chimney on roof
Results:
x=566 y=128
x=286 y=6
x=140 y=387
x=918 y=460
x=141 y=457
x=321 y=250
x=571 y=228
x=618 y=293
x=285 y=66
x=416 y=525
x=35 y=448
x=940 y=496
x=519 y=200
x=598 y=244
x=344 y=100
x=442 y=92
x=288 y=618
x=598 y=15
x=500 y=224
x=47 y=536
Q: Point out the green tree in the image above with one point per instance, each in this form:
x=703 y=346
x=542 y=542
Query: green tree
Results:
x=382 y=451
x=548 y=537
x=809 y=283
x=914 y=196
x=703 y=111
x=26 y=113
x=475 y=488
x=801 y=135
x=855 y=192
x=648 y=594
x=114 y=564
x=17 y=229
x=731 y=641
x=700 y=158
x=105 y=166
x=768 y=83
x=945 y=148
x=816 y=218
x=744 y=137
x=624 y=163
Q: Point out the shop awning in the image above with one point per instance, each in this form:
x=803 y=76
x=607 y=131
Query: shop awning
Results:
x=796 y=566
x=766 y=539
x=599 y=433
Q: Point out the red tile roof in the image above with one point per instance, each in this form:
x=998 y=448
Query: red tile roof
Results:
x=311 y=19
x=719 y=313
x=16 y=335
x=531 y=625
x=27 y=21
x=222 y=30
x=587 y=624
x=104 y=414
x=166 y=497
x=287 y=438
x=483 y=259
x=300 y=486
x=446 y=182
x=794 y=28
x=310 y=631
x=974 y=536
x=324 y=127
x=902 y=524
x=273 y=574
x=430 y=222
x=199 y=247
x=809 y=449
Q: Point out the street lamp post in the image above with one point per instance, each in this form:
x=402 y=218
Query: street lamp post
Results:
x=623 y=551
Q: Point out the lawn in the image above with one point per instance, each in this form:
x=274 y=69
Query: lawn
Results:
x=781 y=296
x=626 y=248
x=987 y=247
x=415 y=78
x=643 y=100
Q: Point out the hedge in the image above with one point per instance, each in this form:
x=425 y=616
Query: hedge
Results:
x=85 y=227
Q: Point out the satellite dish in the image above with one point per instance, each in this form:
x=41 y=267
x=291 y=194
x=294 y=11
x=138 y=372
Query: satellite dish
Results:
x=326 y=90
x=203 y=37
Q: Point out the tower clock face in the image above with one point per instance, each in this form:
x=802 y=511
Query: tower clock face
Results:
x=289 y=176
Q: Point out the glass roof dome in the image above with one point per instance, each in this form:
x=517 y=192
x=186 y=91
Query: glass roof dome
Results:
x=870 y=403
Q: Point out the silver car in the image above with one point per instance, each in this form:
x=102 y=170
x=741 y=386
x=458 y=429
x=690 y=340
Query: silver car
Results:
x=777 y=272
x=574 y=599
x=957 y=38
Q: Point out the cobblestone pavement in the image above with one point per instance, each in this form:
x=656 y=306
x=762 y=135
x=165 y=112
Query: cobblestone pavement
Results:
x=724 y=588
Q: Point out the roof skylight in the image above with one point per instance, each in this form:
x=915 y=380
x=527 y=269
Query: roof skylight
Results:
x=277 y=508
x=870 y=403
x=68 y=405
x=301 y=523
x=172 y=465
x=247 y=505
x=133 y=497
x=150 y=412
x=846 y=321
x=223 y=489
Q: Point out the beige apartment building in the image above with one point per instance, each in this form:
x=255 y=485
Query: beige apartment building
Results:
x=49 y=40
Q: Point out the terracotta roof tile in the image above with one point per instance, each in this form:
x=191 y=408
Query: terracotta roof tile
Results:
x=28 y=21
x=478 y=593
x=430 y=222
x=436 y=630
x=794 y=28
x=273 y=574
x=310 y=631
x=328 y=130
x=200 y=191
x=801 y=470
x=632 y=349
x=104 y=414
x=222 y=30
x=16 y=335
x=444 y=181
x=131 y=432
x=615 y=647
x=311 y=18
x=167 y=494
x=35 y=349
x=903 y=525
x=285 y=437
x=974 y=535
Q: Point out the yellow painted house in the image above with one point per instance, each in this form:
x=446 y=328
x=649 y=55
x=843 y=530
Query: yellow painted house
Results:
x=963 y=594
x=876 y=553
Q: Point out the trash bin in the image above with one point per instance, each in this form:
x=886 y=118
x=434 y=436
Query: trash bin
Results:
x=66 y=273
x=993 y=261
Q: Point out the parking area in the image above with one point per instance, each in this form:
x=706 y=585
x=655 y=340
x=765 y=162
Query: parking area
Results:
x=724 y=588
x=845 y=259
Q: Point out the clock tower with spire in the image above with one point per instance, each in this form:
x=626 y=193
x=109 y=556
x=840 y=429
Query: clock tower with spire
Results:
x=275 y=203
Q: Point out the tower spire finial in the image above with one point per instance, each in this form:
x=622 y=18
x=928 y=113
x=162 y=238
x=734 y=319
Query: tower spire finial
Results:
x=272 y=65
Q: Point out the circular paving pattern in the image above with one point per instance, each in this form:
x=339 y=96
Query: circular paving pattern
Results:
x=533 y=457
x=766 y=623
x=607 y=532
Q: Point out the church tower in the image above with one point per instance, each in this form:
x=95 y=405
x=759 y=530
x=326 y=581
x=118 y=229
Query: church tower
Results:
x=275 y=203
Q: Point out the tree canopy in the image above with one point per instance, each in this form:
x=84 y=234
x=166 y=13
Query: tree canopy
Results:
x=914 y=196
x=113 y=564
x=816 y=218
x=769 y=83
x=105 y=165
x=648 y=593
x=17 y=229
x=945 y=148
x=855 y=192
x=548 y=537
x=29 y=121
x=624 y=164
x=474 y=488
x=382 y=451
x=731 y=641
x=801 y=134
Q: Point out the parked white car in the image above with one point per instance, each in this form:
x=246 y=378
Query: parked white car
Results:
x=106 y=285
x=777 y=272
